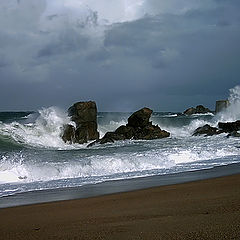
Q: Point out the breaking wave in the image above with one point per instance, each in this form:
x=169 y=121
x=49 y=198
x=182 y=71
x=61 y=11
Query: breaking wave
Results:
x=42 y=130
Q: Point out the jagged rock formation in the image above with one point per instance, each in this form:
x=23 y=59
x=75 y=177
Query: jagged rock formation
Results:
x=84 y=114
x=200 y=109
x=229 y=127
x=138 y=127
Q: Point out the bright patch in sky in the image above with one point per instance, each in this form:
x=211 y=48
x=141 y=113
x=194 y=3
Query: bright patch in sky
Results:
x=110 y=11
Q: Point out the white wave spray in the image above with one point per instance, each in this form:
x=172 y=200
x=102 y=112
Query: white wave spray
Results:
x=45 y=132
x=232 y=112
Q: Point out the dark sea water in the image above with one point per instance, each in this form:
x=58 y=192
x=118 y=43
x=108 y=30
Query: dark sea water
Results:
x=34 y=157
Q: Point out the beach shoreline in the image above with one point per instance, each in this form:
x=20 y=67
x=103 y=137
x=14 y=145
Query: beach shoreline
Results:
x=116 y=186
x=203 y=209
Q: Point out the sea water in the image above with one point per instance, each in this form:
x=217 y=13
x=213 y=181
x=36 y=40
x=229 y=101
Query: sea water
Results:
x=34 y=157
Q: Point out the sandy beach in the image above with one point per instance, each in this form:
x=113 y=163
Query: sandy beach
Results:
x=207 y=209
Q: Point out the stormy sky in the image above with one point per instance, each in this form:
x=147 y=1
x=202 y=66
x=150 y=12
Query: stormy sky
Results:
x=124 y=54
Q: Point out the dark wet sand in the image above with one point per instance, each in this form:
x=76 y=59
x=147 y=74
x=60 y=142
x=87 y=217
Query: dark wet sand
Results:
x=207 y=209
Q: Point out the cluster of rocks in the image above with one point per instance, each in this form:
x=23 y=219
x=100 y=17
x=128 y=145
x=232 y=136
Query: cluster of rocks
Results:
x=138 y=127
x=221 y=105
x=84 y=115
x=231 y=128
x=200 y=109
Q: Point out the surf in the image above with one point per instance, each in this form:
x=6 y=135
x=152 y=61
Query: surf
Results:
x=33 y=155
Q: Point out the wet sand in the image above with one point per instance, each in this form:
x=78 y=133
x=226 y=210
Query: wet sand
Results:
x=206 y=209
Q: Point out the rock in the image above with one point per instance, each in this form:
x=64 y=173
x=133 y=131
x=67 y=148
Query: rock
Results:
x=229 y=126
x=138 y=127
x=84 y=114
x=150 y=132
x=200 y=109
x=233 y=134
x=207 y=130
x=111 y=137
x=140 y=118
x=126 y=131
x=69 y=133
x=190 y=111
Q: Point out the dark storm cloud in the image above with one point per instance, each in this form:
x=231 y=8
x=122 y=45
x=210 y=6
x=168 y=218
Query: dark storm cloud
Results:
x=167 y=55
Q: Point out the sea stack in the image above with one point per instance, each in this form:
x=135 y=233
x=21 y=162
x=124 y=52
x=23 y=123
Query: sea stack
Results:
x=221 y=105
x=84 y=114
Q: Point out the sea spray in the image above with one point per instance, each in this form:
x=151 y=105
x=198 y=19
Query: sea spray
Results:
x=191 y=123
x=44 y=132
x=232 y=112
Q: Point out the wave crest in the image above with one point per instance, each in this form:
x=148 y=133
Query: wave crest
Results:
x=44 y=132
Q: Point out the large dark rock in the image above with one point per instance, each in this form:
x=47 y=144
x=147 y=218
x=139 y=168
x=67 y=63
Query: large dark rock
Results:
x=126 y=131
x=206 y=130
x=150 y=132
x=140 y=118
x=138 y=127
x=229 y=126
x=200 y=109
x=69 y=133
x=84 y=114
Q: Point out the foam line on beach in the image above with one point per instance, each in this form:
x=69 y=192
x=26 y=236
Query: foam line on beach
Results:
x=111 y=187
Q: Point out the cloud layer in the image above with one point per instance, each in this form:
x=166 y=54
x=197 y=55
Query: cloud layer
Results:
x=167 y=55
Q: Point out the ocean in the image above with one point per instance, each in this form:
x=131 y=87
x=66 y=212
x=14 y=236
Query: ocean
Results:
x=34 y=157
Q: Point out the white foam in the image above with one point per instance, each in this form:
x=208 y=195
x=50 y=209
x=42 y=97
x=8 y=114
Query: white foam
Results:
x=119 y=160
x=164 y=154
x=45 y=132
x=111 y=127
x=232 y=113
x=203 y=114
x=170 y=115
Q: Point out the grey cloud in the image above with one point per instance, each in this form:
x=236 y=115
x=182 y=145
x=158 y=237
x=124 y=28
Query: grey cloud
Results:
x=180 y=52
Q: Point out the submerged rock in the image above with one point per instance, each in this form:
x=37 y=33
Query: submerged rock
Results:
x=138 y=127
x=200 y=109
x=84 y=114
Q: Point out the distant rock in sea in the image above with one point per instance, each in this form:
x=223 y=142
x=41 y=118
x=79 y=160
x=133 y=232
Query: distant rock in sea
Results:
x=200 y=109
x=138 y=127
x=84 y=114
x=221 y=105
